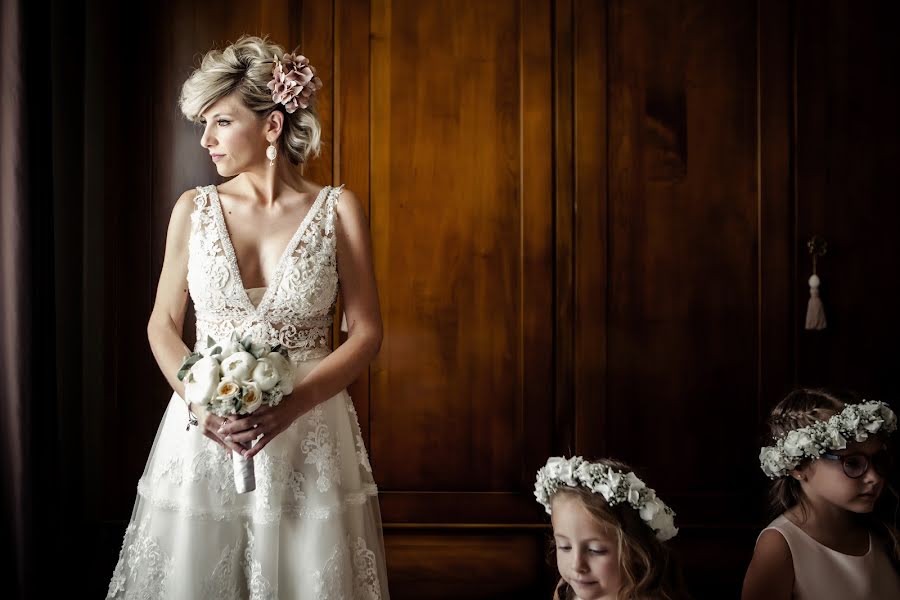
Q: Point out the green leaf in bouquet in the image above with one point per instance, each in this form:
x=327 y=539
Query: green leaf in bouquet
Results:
x=189 y=362
x=210 y=341
x=182 y=374
x=246 y=342
x=276 y=348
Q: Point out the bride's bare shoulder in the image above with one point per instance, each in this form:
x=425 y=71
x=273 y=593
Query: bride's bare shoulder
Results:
x=184 y=206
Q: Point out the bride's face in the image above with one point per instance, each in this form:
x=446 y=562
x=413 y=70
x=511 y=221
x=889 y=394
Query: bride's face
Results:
x=234 y=136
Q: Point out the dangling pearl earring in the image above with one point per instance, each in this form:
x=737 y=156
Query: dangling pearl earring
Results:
x=271 y=153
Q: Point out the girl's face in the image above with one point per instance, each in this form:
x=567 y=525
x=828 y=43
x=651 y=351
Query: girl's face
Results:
x=825 y=481
x=234 y=135
x=587 y=553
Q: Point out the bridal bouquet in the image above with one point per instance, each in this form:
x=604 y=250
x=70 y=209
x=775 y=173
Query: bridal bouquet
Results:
x=235 y=377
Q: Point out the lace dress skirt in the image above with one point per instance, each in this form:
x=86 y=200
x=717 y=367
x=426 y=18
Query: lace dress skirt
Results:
x=310 y=530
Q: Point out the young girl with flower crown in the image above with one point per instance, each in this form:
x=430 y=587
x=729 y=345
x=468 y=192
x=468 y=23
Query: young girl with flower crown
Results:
x=836 y=534
x=609 y=530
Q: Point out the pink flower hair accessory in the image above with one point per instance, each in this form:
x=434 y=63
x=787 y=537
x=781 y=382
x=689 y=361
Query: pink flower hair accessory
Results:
x=294 y=82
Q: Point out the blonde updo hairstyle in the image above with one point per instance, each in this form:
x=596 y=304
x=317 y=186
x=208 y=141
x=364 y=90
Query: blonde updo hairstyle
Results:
x=245 y=67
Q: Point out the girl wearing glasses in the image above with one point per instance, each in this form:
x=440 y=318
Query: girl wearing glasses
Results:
x=836 y=534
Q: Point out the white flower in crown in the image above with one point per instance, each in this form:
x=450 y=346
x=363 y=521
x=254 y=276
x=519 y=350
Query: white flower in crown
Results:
x=855 y=421
x=614 y=486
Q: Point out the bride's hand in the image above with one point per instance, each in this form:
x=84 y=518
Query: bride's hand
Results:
x=263 y=424
x=210 y=425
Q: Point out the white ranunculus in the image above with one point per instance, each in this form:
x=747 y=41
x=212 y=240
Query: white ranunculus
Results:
x=199 y=391
x=239 y=365
x=265 y=374
x=252 y=398
x=285 y=372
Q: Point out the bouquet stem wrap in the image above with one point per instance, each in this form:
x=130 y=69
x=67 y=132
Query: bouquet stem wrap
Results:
x=244 y=475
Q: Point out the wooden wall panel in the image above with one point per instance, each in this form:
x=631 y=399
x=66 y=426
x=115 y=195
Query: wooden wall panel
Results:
x=461 y=219
x=848 y=88
x=683 y=226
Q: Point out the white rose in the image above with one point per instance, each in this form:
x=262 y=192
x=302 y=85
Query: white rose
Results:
x=835 y=441
x=650 y=509
x=615 y=480
x=605 y=490
x=771 y=461
x=239 y=365
x=890 y=419
x=633 y=482
x=227 y=391
x=285 y=372
x=874 y=425
x=252 y=398
x=199 y=391
x=554 y=463
x=265 y=374
x=567 y=474
x=792 y=444
x=634 y=496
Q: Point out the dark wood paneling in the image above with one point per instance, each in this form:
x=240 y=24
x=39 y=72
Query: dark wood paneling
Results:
x=683 y=224
x=848 y=141
x=591 y=250
x=461 y=221
x=492 y=564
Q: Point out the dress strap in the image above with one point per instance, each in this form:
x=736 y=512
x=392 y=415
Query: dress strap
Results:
x=202 y=197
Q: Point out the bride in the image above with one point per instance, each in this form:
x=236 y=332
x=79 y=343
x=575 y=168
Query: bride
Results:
x=263 y=255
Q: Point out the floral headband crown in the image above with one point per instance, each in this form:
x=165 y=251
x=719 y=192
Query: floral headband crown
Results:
x=294 y=82
x=615 y=487
x=856 y=422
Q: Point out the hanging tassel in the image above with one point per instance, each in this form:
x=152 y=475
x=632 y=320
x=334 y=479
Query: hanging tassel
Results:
x=815 y=311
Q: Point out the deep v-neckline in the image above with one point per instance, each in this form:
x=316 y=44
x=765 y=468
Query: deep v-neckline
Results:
x=228 y=247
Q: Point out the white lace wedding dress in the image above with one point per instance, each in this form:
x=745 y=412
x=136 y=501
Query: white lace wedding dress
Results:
x=312 y=528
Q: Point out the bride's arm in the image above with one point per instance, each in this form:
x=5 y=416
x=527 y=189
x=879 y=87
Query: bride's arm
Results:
x=166 y=324
x=360 y=302
x=343 y=366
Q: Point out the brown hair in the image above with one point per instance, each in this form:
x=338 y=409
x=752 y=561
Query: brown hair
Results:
x=801 y=408
x=646 y=565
